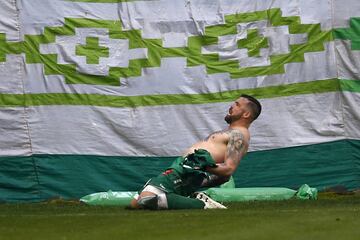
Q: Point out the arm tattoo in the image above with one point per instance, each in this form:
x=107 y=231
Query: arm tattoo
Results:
x=235 y=145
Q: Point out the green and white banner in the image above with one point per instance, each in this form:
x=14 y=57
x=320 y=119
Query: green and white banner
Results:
x=102 y=94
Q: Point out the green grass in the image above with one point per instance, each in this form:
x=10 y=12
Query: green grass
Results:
x=329 y=217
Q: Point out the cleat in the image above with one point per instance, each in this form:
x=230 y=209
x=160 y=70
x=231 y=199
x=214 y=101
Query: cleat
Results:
x=209 y=203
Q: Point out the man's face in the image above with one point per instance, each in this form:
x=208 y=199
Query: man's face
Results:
x=237 y=110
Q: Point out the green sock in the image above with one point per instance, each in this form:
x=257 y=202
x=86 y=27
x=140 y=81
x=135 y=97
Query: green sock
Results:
x=176 y=201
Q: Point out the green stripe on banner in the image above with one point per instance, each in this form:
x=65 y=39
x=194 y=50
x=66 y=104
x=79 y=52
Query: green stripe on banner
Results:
x=350 y=85
x=13 y=100
x=40 y=177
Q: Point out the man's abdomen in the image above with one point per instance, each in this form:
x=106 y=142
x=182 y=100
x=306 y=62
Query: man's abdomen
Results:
x=216 y=150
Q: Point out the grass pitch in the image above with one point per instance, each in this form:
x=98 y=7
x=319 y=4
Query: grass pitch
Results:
x=329 y=217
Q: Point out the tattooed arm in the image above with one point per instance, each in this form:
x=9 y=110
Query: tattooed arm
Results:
x=236 y=149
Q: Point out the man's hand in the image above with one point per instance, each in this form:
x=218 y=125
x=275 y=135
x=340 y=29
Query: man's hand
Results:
x=213 y=180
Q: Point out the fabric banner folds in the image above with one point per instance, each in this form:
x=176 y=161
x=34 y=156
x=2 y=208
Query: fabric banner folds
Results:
x=102 y=94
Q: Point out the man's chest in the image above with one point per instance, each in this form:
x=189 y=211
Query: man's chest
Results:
x=220 y=137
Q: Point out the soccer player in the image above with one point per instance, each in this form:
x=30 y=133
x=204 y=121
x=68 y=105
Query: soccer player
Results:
x=207 y=163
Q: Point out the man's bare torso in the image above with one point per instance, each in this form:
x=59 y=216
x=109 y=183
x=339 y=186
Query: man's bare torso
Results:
x=217 y=144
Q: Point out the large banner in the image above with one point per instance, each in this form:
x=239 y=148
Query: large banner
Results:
x=102 y=94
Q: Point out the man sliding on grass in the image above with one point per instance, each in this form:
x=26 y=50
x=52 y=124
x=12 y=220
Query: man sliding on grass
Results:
x=207 y=163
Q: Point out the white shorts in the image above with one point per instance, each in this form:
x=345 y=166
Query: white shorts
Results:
x=151 y=189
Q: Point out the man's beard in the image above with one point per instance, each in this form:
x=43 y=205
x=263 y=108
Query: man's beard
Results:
x=229 y=118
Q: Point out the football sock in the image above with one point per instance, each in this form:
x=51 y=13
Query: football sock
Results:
x=176 y=201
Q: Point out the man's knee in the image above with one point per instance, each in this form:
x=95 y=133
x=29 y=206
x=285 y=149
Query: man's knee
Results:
x=133 y=204
x=150 y=200
x=138 y=201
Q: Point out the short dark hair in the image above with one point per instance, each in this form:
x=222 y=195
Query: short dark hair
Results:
x=255 y=106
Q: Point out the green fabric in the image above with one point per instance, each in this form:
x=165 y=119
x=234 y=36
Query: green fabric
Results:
x=228 y=184
x=186 y=174
x=30 y=47
x=352 y=33
x=168 y=181
x=261 y=193
x=306 y=192
x=92 y=50
x=109 y=198
x=40 y=177
x=198 y=160
x=249 y=194
x=293 y=89
x=176 y=201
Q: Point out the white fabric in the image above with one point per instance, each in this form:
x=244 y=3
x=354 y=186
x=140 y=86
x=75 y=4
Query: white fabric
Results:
x=351 y=113
x=12 y=75
x=9 y=20
x=170 y=130
x=343 y=10
x=348 y=61
x=14 y=132
x=161 y=195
